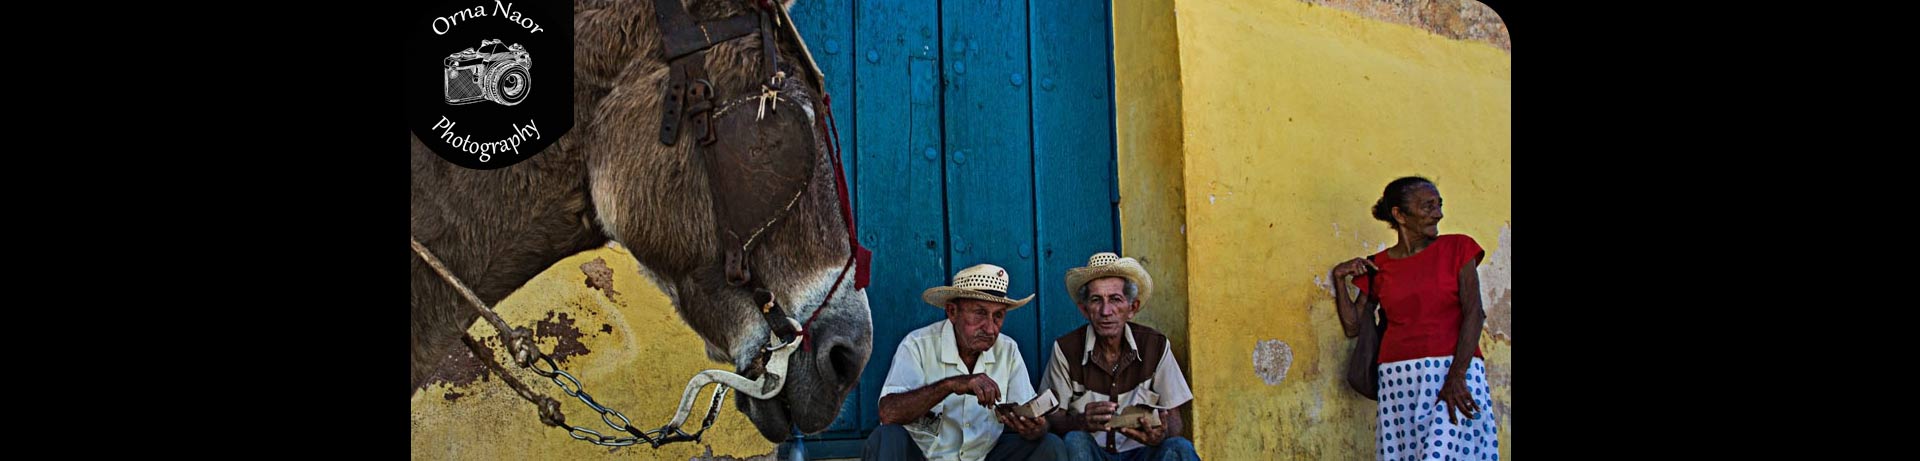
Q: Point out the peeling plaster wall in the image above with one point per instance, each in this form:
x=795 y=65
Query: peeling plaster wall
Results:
x=610 y=327
x=1253 y=136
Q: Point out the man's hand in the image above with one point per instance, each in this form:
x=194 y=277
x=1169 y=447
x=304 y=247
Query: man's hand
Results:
x=1028 y=428
x=1097 y=415
x=1152 y=436
x=978 y=385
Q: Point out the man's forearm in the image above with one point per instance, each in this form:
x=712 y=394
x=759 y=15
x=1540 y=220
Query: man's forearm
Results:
x=907 y=406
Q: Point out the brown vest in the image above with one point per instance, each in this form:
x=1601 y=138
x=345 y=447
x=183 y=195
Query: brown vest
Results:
x=1112 y=379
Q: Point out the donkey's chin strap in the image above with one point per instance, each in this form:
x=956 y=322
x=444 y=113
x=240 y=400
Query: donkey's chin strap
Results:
x=771 y=381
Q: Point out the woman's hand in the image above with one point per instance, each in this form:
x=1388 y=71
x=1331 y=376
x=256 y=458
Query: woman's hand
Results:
x=1353 y=267
x=1454 y=394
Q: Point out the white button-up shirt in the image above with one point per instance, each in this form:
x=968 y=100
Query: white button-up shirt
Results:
x=959 y=428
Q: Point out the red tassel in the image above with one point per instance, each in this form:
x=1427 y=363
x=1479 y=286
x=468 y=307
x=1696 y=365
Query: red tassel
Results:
x=862 y=257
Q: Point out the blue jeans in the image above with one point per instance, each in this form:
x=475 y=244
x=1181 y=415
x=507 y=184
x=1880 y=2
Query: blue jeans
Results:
x=1081 y=447
x=891 y=442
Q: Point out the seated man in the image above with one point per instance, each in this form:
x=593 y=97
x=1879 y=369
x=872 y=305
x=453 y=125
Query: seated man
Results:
x=925 y=408
x=1111 y=364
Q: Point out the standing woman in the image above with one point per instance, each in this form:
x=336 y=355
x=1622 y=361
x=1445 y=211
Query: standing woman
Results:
x=1433 y=382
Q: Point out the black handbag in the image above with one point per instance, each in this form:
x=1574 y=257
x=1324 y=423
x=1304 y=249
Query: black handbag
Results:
x=1363 y=370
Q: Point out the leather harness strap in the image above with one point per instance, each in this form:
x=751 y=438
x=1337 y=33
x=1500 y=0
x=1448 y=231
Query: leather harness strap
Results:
x=689 y=93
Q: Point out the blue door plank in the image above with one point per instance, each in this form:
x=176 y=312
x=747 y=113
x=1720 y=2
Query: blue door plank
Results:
x=827 y=28
x=990 y=152
x=1072 y=148
x=900 y=162
x=984 y=139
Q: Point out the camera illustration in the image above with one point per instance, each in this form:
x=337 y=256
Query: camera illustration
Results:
x=492 y=73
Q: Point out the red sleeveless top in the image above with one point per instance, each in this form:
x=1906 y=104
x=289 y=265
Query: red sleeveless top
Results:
x=1421 y=297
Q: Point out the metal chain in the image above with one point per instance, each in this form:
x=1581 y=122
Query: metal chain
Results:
x=654 y=438
x=527 y=355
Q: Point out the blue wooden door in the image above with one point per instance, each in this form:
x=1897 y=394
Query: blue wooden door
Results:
x=973 y=132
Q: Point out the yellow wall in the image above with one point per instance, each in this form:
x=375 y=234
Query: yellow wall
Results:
x=631 y=365
x=1152 y=211
x=1268 y=141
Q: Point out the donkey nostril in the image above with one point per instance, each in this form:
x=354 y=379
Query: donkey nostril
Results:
x=845 y=365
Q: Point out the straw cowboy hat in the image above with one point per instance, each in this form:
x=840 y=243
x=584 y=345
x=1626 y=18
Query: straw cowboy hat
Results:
x=985 y=282
x=1109 y=265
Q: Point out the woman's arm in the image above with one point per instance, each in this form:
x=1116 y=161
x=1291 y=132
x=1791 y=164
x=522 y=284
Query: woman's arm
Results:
x=1472 y=317
x=1345 y=304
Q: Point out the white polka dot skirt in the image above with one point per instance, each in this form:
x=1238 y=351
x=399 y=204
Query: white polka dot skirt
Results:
x=1413 y=421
